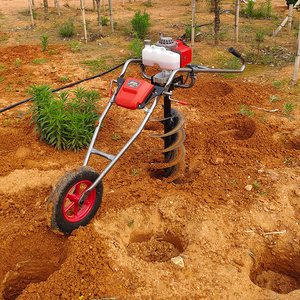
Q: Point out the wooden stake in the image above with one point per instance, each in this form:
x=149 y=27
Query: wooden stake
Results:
x=285 y=20
x=57 y=6
x=111 y=16
x=193 y=25
x=236 y=24
x=83 y=20
x=290 y=17
x=31 y=14
x=280 y=27
x=297 y=60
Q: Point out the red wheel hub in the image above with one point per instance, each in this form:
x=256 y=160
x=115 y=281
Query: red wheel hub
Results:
x=72 y=210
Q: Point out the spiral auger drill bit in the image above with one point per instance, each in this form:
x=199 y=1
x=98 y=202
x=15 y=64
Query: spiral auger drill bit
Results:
x=173 y=137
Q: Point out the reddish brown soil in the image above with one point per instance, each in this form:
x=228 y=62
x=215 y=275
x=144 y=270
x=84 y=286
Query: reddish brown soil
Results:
x=237 y=239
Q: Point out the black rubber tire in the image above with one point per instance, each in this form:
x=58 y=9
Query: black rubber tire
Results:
x=55 y=206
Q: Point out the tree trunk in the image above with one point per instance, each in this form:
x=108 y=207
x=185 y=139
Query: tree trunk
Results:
x=99 y=16
x=46 y=6
x=33 y=7
x=217 y=21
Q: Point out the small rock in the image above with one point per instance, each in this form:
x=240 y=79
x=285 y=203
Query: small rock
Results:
x=248 y=187
x=178 y=261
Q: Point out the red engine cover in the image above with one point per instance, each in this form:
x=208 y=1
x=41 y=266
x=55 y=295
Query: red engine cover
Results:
x=133 y=92
x=185 y=53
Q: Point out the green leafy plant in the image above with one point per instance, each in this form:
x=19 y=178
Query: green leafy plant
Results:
x=278 y=84
x=45 y=42
x=140 y=24
x=136 y=47
x=245 y=112
x=4 y=38
x=287 y=160
x=40 y=61
x=188 y=31
x=116 y=137
x=27 y=13
x=274 y=98
x=2 y=78
x=74 y=47
x=66 y=120
x=134 y=172
x=104 y=21
x=64 y=78
x=264 y=10
x=233 y=63
x=66 y=29
x=53 y=51
x=256 y=184
x=148 y=3
x=261 y=192
x=97 y=64
x=130 y=222
x=287 y=108
x=18 y=63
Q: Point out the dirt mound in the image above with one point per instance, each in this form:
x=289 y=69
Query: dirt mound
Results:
x=228 y=229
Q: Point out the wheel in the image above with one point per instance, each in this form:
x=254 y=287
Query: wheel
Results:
x=64 y=211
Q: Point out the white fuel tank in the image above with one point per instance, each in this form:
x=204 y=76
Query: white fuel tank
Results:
x=160 y=56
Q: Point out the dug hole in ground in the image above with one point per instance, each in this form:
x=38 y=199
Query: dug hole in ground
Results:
x=229 y=229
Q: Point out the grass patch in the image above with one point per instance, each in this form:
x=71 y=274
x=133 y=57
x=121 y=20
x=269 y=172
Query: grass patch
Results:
x=27 y=13
x=40 y=61
x=96 y=65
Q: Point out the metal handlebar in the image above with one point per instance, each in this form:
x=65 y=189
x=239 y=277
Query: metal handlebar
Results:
x=191 y=69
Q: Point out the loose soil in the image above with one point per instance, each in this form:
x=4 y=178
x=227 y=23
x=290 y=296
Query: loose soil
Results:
x=227 y=229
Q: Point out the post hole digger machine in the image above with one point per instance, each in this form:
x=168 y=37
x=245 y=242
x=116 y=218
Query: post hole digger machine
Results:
x=77 y=196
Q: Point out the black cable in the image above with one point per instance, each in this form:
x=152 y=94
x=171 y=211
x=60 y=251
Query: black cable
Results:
x=63 y=87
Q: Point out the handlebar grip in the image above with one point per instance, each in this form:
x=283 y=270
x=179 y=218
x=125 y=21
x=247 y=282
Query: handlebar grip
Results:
x=234 y=52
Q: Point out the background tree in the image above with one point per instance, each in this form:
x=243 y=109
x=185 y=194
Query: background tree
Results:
x=217 y=10
x=99 y=16
x=46 y=6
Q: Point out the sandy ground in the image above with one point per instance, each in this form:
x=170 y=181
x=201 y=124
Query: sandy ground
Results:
x=232 y=219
